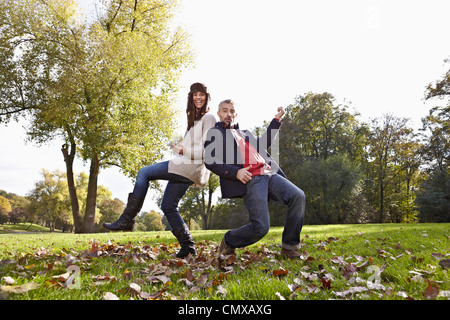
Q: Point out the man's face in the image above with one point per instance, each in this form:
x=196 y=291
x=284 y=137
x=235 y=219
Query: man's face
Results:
x=227 y=113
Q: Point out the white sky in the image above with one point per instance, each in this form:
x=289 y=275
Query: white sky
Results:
x=379 y=55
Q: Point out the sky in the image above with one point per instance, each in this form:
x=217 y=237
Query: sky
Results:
x=377 y=56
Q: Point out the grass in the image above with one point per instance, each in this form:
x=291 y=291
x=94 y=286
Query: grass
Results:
x=407 y=257
x=22 y=227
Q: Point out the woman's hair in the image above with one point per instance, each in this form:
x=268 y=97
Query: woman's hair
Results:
x=191 y=110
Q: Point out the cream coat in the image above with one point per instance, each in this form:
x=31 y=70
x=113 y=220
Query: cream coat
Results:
x=192 y=163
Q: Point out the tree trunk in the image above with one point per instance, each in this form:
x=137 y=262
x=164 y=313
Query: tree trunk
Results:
x=91 y=199
x=69 y=156
x=381 y=203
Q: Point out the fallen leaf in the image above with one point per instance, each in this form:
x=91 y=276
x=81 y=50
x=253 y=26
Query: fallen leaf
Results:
x=279 y=296
x=326 y=284
x=432 y=291
x=163 y=279
x=437 y=255
x=350 y=291
x=349 y=270
x=231 y=259
x=8 y=280
x=375 y=286
x=309 y=276
x=280 y=273
x=149 y=296
x=189 y=275
x=93 y=252
x=445 y=263
x=201 y=280
x=186 y=282
x=110 y=296
x=220 y=289
x=127 y=274
x=134 y=288
x=294 y=287
x=312 y=288
x=62 y=277
x=445 y=294
x=418 y=260
x=106 y=277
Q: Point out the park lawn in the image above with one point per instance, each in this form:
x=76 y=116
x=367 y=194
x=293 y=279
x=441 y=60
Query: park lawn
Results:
x=23 y=227
x=357 y=262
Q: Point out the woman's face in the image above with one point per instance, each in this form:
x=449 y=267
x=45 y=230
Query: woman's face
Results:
x=199 y=99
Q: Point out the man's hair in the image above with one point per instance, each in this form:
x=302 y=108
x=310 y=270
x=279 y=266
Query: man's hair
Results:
x=226 y=101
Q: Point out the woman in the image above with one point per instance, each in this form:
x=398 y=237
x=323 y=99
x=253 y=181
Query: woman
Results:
x=185 y=170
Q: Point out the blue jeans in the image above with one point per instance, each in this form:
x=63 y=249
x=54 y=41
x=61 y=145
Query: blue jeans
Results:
x=259 y=189
x=175 y=189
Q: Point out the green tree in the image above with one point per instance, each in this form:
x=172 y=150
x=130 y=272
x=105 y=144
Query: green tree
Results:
x=322 y=146
x=152 y=221
x=104 y=86
x=198 y=204
x=316 y=127
x=390 y=156
x=109 y=210
x=3 y=216
x=231 y=214
x=433 y=196
x=50 y=199
x=5 y=204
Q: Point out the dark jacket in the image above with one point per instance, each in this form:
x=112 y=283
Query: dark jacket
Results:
x=223 y=156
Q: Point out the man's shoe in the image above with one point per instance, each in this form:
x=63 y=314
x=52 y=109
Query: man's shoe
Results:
x=224 y=249
x=290 y=254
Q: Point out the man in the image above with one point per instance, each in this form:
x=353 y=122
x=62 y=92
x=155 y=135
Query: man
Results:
x=247 y=170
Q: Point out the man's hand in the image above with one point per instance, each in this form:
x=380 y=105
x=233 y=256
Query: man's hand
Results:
x=177 y=148
x=280 y=113
x=244 y=175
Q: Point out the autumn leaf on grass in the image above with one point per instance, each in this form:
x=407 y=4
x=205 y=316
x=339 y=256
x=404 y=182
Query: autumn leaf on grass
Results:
x=221 y=290
x=61 y=277
x=437 y=255
x=127 y=274
x=189 y=275
x=350 y=291
x=201 y=280
x=309 y=276
x=162 y=278
x=98 y=279
x=8 y=280
x=93 y=252
x=231 y=259
x=149 y=296
x=445 y=263
x=280 y=296
x=432 y=291
x=326 y=284
x=134 y=289
x=349 y=270
x=280 y=273
x=110 y=296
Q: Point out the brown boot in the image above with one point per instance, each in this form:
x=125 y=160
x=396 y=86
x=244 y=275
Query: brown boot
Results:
x=224 y=249
x=290 y=254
